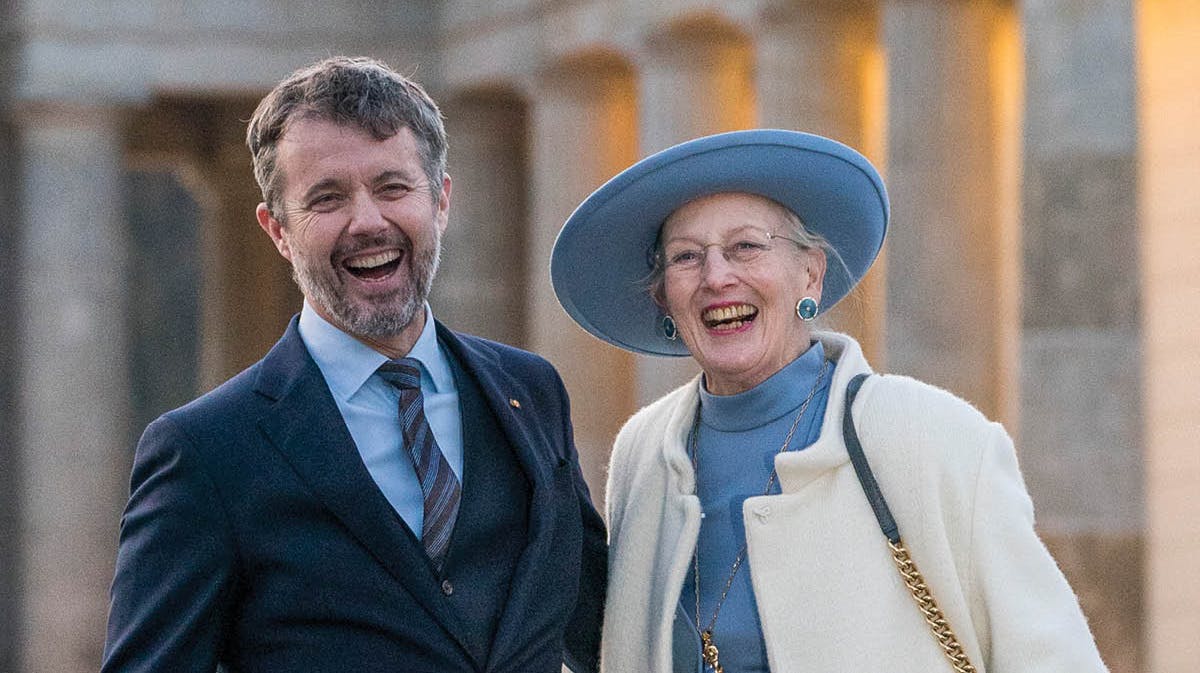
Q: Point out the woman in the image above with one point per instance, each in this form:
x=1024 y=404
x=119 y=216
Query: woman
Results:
x=743 y=536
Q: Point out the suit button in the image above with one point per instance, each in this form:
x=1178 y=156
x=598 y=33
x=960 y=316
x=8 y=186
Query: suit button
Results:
x=447 y=587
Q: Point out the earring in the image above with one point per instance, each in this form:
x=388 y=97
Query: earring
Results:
x=669 y=329
x=806 y=309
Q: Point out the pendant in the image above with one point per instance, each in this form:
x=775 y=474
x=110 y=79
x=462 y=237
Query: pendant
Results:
x=710 y=653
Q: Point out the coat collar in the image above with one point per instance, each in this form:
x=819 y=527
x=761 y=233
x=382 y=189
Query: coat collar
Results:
x=795 y=468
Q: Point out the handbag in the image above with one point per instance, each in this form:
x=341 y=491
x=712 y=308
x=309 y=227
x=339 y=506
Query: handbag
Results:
x=938 y=624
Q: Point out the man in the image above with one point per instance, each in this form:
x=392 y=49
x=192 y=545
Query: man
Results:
x=379 y=493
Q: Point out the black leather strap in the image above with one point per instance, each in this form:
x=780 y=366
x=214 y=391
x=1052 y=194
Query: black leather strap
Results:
x=865 y=477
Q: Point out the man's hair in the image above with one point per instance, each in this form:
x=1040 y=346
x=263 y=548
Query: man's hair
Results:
x=355 y=91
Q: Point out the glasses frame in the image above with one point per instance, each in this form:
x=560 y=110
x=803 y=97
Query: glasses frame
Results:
x=662 y=263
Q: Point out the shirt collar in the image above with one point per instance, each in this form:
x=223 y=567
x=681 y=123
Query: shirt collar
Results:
x=347 y=363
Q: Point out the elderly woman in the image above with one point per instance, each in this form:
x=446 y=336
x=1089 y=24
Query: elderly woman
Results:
x=755 y=513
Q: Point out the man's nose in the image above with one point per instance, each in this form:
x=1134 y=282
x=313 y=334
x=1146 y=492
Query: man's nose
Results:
x=365 y=214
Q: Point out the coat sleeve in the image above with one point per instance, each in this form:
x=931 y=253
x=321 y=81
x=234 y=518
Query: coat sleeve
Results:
x=171 y=594
x=1034 y=622
x=582 y=640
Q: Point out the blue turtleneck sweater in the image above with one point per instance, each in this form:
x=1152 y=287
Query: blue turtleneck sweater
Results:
x=739 y=436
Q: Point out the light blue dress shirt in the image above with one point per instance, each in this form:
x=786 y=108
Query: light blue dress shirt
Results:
x=370 y=406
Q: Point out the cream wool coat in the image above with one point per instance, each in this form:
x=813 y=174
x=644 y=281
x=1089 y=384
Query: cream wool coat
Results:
x=829 y=597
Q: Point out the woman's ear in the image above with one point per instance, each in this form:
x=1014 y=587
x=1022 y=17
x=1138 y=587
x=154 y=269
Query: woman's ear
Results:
x=814 y=264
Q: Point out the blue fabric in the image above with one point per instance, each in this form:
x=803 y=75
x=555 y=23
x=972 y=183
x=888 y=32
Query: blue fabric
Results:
x=256 y=539
x=739 y=438
x=368 y=405
x=487 y=542
x=600 y=260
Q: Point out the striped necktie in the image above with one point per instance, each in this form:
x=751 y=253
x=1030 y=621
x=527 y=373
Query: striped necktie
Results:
x=439 y=487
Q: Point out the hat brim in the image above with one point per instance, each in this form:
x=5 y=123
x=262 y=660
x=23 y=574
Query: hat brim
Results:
x=600 y=261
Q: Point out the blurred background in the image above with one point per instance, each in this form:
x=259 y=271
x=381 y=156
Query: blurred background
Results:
x=1041 y=155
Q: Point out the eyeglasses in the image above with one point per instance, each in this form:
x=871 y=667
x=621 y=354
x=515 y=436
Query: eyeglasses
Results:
x=743 y=247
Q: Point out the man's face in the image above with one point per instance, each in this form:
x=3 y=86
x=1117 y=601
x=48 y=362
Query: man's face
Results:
x=360 y=224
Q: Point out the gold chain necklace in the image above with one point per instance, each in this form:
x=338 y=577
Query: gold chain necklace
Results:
x=708 y=650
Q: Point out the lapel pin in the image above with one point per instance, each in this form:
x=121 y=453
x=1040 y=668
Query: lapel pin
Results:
x=514 y=402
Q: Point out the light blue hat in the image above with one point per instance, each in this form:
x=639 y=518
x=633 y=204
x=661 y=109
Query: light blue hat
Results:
x=601 y=259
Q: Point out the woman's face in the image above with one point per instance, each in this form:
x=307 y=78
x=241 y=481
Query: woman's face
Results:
x=737 y=316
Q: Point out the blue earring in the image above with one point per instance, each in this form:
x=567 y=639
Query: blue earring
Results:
x=669 y=329
x=806 y=309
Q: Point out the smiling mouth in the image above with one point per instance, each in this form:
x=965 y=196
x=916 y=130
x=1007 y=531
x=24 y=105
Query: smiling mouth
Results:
x=376 y=266
x=730 y=317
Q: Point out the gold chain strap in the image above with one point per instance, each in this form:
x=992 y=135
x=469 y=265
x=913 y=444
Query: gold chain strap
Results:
x=929 y=607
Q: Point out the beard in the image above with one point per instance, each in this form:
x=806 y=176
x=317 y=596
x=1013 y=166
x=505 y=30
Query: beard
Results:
x=376 y=317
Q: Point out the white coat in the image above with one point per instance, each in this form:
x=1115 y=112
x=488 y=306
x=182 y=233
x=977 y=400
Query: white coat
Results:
x=829 y=596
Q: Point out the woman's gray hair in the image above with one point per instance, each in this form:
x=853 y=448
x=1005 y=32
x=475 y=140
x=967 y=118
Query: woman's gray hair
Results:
x=804 y=236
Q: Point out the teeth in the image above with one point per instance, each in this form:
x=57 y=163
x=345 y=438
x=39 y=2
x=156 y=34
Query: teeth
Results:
x=729 y=313
x=371 y=261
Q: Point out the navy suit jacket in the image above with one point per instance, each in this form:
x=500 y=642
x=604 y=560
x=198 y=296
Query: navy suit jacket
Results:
x=256 y=540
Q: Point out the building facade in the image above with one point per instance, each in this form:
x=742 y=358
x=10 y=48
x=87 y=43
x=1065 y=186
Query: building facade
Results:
x=1040 y=259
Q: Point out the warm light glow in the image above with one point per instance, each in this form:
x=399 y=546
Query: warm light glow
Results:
x=1168 y=72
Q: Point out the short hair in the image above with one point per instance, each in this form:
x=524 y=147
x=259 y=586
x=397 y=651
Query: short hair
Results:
x=355 y=91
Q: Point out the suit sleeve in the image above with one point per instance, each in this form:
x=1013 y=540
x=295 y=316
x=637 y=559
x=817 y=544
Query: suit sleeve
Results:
x=171 y=594
x=582 y=653
x=1034 y=622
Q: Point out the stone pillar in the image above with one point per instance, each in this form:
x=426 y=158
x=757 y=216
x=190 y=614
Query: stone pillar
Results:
x=10 y=491
x=480 y=286
x=697 y=79
x=952 y=302
x=1168 y=71
x=820 y=70
x=1080 y=402
x=248 y=294
x=583 y=132
x=75 y=438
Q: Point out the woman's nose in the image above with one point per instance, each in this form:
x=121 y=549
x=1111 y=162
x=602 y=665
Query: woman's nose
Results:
x=715 y=267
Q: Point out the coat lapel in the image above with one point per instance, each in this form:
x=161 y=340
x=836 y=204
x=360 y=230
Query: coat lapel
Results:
x=306 y=426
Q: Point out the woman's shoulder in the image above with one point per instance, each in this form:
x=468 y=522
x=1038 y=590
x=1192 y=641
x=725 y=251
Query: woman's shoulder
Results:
x=898 y=398
x=922 y=420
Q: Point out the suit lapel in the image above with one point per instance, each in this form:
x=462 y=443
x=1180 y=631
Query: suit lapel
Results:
x=306 y=426
x=524 y=428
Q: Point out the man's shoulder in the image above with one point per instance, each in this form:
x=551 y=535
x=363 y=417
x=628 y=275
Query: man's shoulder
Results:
x=234 y=398
x=479 y=350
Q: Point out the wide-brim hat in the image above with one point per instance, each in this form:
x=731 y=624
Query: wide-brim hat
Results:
x=601 y=260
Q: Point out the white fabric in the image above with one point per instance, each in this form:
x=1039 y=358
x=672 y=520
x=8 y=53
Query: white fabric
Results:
x=829 y=596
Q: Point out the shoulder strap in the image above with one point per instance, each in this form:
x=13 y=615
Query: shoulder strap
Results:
x=865 y=477
x=939 y=626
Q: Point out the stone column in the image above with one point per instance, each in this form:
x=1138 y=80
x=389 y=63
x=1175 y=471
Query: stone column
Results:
x=1168 y=71
x=75 y=438
x=583 y=131
x=480 y=286
x=697 y=79
x=10 y=522
x=1080 y=400
x=820 y=70
x=952 y=165
x=248 y=294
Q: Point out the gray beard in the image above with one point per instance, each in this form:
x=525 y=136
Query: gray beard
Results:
x=375 y=320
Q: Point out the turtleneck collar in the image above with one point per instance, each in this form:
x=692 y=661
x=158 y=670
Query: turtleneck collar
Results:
x=782 y=393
